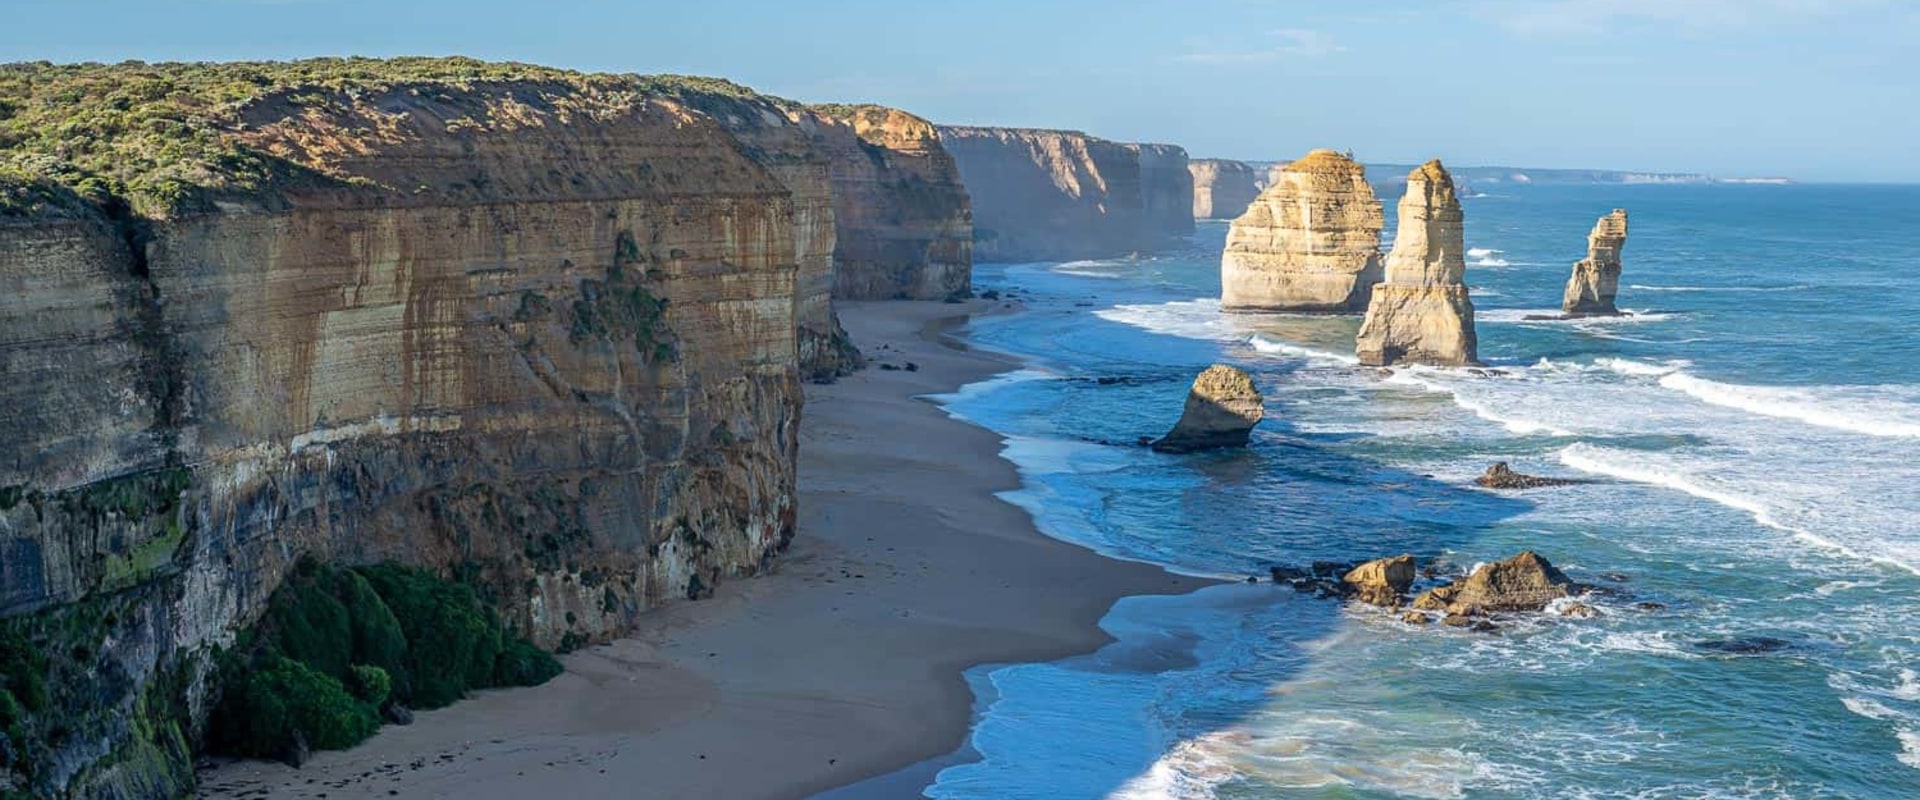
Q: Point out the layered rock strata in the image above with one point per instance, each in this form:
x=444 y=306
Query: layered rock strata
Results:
x=1044 y=195
x=1223 y=188
x=1422 y=313
x=1309 y=243
x=537 y=334
x=1221 y=411
x=1596 y=278
x=904 y=224
x=1166 y=191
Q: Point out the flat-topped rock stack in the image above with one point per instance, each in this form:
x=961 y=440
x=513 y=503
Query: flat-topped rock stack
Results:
x=1223 y=188
x=1309 y=243
x=1422 y=313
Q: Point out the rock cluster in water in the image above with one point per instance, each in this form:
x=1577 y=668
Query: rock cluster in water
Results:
x=1596 y=278
x=1310 y=242
x=1501 y=476
x=1422 y=313
x=1221 y=410
x=1525 y=582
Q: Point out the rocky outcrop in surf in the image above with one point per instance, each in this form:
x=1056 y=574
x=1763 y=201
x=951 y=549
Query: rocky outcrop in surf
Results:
x=1223 y=188
x=1309 y=243
x=1501 y=476
x=1596 y=278
x=1047 y=195
x=1421 y=313
x=1222 y=409
x=1166 y=191
x=1525 y=582
x=1382 y=582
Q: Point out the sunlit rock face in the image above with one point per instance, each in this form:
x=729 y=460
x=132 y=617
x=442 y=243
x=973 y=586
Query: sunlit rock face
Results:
x=1309 y=243
x=1596 y=279
x=1422 y=313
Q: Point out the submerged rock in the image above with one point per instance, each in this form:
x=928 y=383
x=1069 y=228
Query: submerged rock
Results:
x=1579 y=611
x=1500 y=476
x=1596 y=278
x=1422 y=313
x=1525 y=582
x=1221 y=410
x=1382 y=582
x=1744 y=646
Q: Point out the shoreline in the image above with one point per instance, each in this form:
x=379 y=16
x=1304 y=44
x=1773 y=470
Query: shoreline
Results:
x=842 y=668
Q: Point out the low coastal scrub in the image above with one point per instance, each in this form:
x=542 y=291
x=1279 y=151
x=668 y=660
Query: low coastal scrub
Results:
x=338 y=647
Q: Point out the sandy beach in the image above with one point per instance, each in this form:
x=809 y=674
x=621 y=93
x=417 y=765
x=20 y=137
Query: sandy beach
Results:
x=842 y=664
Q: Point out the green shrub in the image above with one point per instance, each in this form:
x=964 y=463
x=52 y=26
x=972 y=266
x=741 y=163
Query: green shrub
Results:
x=523 y=664
x=371 y=684
x=267 y=704
x=451 y=641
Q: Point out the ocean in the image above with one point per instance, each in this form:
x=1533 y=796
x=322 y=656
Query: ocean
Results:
x=1753 y=437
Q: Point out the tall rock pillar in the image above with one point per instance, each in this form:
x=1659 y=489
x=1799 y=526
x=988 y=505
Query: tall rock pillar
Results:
x=1421 y=314
x=1596 y=278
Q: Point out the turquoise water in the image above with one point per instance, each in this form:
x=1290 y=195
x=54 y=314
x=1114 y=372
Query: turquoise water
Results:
x=1754 y=431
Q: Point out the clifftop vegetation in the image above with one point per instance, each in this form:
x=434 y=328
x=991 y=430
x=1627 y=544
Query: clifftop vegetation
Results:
x=158 y=139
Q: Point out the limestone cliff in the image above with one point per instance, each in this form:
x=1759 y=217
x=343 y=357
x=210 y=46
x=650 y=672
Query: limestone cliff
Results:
x=1422 y=313
x=1166 y=191
x=1309 y=243
x=781 y=137
x=1222 y=188
x=904 y=224
x=1596 y=278
x=1042 y=195
x=535 y=332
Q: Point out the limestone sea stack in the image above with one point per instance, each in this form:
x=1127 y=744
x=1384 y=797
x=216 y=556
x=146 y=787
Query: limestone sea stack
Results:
x=1596 y=278
x=1043 y=195
x=1166 y=191
x=1421 y=314
x=1222 y=409
x=1310 y=242
x=1222 y=188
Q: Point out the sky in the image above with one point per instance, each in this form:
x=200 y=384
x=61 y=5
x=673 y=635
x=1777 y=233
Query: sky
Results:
x=1818 y=90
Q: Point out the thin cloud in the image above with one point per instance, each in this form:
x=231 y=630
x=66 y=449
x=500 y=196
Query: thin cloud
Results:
x=1282 y=43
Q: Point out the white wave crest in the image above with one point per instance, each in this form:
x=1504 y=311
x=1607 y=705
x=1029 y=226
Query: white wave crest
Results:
x=1187 y=319
x=1481 y=252
x=1618 y=464
x=1865 y=410
x=1626 y=366
x=1187 y=772
x=1271 y=346
x=1490 y=261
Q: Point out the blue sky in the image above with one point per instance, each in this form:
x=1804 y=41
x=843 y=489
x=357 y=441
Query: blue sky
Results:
x=1814 y=89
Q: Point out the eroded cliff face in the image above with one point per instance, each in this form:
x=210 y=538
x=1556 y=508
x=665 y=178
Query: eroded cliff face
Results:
x=783 y=138
x=539 y=336
x=1596 y=279
x=1042 y=195
x=1422 y=313
x=905 y=225
x=1223 y=188
x=1166 y=190
x=1309 y=243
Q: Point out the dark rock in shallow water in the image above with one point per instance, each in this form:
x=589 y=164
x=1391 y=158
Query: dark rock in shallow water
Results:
x=1579 y=611
x=1501 y=476
x=1221 y=410
x=1416 y=618
x=1649 y=605
x=1744 y=646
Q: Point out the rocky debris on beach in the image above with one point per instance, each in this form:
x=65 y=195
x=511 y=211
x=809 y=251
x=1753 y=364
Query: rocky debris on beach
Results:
x=1309 y=243
x=1382 y=582
x=1525 y=582
x=1421 y=313
x=1501 y=476
x=1221 y=410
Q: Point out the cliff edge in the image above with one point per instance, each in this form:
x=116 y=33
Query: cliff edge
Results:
x=1223 y=188
x=1043 y=195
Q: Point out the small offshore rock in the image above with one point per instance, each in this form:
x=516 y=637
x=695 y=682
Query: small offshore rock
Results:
x=1649 y=605
x=1416 y=618
x=912 y=367
x=1457 y=620
x=1382 y=582
x=1222 y=408
x=1746 y=645
x=1525 y=582
x=1579 y=611
x=1501 y=476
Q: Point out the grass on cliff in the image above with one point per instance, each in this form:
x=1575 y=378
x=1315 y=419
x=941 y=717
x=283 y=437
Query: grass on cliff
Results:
x=337 y=645
x=158 y=139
